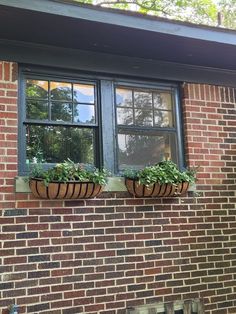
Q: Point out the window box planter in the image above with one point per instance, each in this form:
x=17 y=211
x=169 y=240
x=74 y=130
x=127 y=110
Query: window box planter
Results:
x=64 y=190
x=155 y=190
x=67 y=181
x=161 y=180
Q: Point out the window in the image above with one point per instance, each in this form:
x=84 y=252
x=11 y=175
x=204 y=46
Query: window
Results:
x=146 y=130
x=60 y=121
x=98 y=121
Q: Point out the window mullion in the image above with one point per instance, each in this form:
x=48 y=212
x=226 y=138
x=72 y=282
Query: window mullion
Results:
x=178 y=125
x=108 y=125
x=22 y=130
x=49 y=100
x=72 y=98
x=133 y=107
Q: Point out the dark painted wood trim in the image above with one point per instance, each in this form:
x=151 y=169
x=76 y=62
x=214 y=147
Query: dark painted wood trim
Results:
x=108 y=124
x=100 y=63
x=125 y=19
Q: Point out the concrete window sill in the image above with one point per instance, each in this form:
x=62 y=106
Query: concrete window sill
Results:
x=115 y=184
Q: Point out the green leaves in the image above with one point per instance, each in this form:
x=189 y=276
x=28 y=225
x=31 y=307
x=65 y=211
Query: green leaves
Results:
x=195 y=11
x=69 y=171
x=163 y=172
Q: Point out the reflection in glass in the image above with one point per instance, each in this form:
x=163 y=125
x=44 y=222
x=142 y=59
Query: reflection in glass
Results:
x=84 y=93
x=84 y=114
x=61 y=112
x=61 y=91
x=144 y=117
x=125 y=116
x=138 y=150
x=162 y=101
x=53 y=144
x=36 y=89
x=123 y=97
x=163 y=118
x=142 y=99
x=37 y=110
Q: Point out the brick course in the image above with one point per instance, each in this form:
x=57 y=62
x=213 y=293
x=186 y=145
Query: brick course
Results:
x=107 y=254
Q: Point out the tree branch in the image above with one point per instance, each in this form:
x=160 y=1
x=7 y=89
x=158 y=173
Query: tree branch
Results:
x=151 y=7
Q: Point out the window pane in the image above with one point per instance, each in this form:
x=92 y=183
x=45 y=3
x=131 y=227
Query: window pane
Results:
x=37 y=110
x=53 y=144
x=144 y=117
x=162 y=101
x=61 y=112
x=163 y=118
x=123 y=97
x=84 y=114
x=36 y=89
x=138 y=150
x=61 y=91
x=125 y=116
x=142 y=99
x=84 y=93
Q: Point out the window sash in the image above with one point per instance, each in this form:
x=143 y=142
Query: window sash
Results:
x=139 y=131
x=25 y=122
x=70 y=100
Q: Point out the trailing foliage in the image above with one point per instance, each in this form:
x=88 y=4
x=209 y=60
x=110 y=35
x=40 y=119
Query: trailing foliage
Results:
x=70 y=171
x=164 y=172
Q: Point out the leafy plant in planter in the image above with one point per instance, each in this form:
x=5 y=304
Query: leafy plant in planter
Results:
x=162 y=179
x=67 y=180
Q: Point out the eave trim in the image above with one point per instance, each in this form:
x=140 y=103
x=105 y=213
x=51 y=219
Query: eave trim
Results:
x=71 y=10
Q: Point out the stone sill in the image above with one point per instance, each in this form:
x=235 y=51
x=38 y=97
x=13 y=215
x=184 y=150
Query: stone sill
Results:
x=115 y=184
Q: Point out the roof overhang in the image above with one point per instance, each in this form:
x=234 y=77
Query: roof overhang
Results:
x=66 y=25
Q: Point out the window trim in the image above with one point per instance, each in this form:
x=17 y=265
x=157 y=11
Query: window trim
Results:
x=106 y=136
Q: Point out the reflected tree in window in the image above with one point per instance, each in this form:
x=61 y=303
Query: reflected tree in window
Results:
x=53 y=103
x=142 y=123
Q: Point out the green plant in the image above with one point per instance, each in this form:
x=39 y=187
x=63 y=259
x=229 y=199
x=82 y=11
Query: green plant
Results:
x=69 y=171
x=164 y=172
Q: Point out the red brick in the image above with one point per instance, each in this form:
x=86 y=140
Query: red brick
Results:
x=74 y=294
x=6 y=71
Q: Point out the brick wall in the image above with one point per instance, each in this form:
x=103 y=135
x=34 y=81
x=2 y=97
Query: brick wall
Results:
x=104 y=255
x=8 y=132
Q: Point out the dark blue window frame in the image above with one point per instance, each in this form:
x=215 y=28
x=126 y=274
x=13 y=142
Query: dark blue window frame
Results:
x=106 y=135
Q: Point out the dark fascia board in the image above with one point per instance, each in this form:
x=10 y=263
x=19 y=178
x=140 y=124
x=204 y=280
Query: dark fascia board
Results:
x=107 y=65
x=120 y=18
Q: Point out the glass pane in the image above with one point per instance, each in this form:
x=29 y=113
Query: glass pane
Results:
x=84 y=114
x=138 y=150
x=144 y=117
x=84 y=93
x=61 y=112
x=162 y=101
x=37 y=110
x=61 y=91
x=36 y=89
x=125 y=116
x=53 y=144
x=142 y=99
x=123 y=97
x=163 y=118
